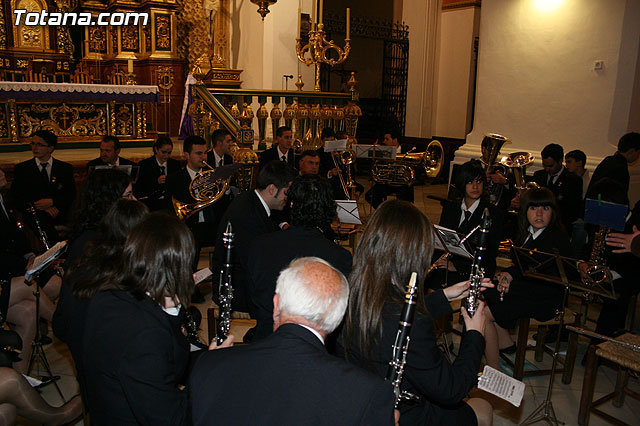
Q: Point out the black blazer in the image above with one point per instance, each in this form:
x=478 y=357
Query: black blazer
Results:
x=270 y=253
x=249 y=220
x=27 y=186
x=614 y=167
x=450 y=218
x=211 y=159
x=98 y=162
x=273 y=154
x=440 y=385
x=568 y=193
x=147 y=187
x=288 y=379
x=134 y=358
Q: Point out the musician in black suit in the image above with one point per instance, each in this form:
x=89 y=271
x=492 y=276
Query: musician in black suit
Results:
x=203 y=224
x=281 y=149
x=396 y=242
x=380 y=191
x=463 y=216
x=150 y=187
x=565 y=186
x=135 y=354
x=45 y=182
x=220 y=155
x=526 y=297
x=110 y=154
x=616 y=166
x=289 y=378
x=312 y=210
x=249 y=214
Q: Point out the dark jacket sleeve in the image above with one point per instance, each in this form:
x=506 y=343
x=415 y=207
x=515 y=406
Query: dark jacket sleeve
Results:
x=437 y=304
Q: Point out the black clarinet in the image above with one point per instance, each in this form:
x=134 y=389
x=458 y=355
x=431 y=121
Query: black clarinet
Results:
x=225 y=290
x=477 y=272
x=401 y=345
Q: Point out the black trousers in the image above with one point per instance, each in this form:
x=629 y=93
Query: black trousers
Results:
x=379 y=192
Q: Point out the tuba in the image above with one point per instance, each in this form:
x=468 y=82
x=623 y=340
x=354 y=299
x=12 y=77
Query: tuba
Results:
x=402 y=170
x=517 y=162
x=205 y=189
x=494 y=143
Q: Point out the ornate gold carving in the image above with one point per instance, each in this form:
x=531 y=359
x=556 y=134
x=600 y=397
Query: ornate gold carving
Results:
x=163 y=32
x=62 y=119
x=124 y=120
x=3 y=28
x=63 y=36
x=112 y=118
x=98 y=39
x=4 y=130
x=247 y=116
x=22 y=63
x=147 y=38
x=165 y=77
x=13 y=120
x=30 y=37
x=318 y=46
x=130 y=41
x=139 y=119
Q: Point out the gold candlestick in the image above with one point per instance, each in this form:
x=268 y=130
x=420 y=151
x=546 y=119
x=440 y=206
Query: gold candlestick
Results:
x=317 y=48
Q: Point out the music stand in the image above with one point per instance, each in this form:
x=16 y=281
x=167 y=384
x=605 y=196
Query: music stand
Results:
x=41 y=264
x=530 y=266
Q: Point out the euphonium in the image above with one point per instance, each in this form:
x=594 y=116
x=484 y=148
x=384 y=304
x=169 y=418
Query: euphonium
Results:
x=401 y=171
x=205 y=189
x=494 y=143
x=517 y=162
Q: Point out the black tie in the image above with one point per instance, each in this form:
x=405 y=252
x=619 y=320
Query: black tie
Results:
x=220 y=162
x=284 y=158
x=530 y=242
x=465 y=222
x=43 y=173
x=162 y=172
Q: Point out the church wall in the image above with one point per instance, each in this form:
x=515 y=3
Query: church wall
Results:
x=455 y=72
x=536 y=78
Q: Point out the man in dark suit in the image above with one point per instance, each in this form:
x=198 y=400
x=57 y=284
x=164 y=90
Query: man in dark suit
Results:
x=566 y=187
x=312 y=210
x=110 y=154
x=380 y=191
x=281 y=149
x=249 y=214
x=203 y=224
x=220 y=155
x=289 y=378
x=616 y=166
x=45 y=182
x=150 y=188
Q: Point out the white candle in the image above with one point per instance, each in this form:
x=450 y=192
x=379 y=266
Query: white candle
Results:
x=299 y=17
x=320 y=14
x=130 y=66
x=348 y=20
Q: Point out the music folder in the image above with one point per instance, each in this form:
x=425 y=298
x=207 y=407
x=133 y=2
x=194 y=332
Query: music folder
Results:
x=446 y=239
x=41 y=262
x=348 y=212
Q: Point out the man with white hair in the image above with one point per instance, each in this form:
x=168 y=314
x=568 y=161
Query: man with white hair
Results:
x=289 y=378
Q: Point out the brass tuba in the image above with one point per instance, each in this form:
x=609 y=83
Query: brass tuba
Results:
x=205 y=189
x=517 y=162
x=401 y=171
x=494 y=143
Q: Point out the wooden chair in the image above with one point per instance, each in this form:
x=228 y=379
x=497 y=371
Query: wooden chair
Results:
x=626 y=359
x=568 y=361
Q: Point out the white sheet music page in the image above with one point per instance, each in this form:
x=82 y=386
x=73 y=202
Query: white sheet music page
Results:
x=40 y=262
x=501 y=385
x=202 y=275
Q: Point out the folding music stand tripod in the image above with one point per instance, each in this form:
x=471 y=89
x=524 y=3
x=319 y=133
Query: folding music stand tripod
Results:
x=529 y=266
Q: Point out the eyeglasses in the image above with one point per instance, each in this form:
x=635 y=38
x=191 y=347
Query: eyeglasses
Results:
x=40 y=145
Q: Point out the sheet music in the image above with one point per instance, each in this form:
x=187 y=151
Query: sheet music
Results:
x=202 y=275
x=452 y=239
x=348 y=212
x=41 y=262
x=501 y=385
x=339 y=145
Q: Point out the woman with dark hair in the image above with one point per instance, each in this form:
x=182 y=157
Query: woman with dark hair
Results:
x=463 y=216
x=134 y=351
x=150 y=186
x=539 y=230
x=90 y=272
x=396 y=242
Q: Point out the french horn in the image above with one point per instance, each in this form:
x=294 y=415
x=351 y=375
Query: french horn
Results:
x=205 y=189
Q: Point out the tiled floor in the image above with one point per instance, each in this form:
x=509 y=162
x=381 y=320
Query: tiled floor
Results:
x=565 y=398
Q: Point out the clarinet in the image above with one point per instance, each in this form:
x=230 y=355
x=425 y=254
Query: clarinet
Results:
x=225 y=290
x=401 y=345
x=191 y=329
x=41 y=233
x=477 y=272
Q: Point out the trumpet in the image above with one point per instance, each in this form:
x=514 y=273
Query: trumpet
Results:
x=205 y=189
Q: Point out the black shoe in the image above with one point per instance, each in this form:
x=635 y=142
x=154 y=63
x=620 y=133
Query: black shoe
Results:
x=47 y=380
x=509 y=350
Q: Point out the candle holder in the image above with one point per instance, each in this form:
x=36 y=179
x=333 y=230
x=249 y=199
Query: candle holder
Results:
x=317 y=47
x=130 y=79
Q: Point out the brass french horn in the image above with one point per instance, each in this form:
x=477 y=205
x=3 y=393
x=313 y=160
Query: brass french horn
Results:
x=205 y=189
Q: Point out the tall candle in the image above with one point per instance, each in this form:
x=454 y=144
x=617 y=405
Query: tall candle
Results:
x=348 y=21
x=313 y=14
x=130 y=66
x=320 y=14
x=299 y=15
